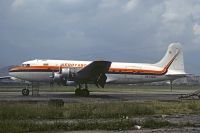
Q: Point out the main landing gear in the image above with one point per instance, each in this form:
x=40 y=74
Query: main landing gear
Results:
x=171 y=84
x=82 y=92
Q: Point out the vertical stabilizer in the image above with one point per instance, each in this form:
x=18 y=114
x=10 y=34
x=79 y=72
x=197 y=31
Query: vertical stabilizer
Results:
x=175 y=55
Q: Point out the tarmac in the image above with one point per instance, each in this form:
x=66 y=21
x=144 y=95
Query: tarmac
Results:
x=69 y=97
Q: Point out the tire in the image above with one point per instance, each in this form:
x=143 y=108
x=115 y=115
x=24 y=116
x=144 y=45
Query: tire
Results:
x=25 y=92
x=78 y=92
x=85 y=92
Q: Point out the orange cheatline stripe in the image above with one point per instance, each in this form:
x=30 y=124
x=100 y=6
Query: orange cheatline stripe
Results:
x=34 y=67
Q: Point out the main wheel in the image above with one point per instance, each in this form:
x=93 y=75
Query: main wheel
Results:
x=25 y=92
x=85 y=92
x=78 y=92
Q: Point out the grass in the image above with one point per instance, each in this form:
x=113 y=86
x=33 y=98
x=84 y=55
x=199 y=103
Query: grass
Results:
x=23 y=111
x=106 y=110
x=29 y=117
x=119 y=124
x=115 y=115
x=176 y=107
x=28 y=126
x=153 y=124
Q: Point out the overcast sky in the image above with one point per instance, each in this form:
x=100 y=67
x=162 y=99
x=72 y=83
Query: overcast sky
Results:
x=115 y=30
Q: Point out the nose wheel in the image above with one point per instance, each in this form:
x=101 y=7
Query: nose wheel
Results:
x=25 y=92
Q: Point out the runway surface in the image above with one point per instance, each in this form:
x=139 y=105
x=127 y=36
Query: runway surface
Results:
x=69 y=97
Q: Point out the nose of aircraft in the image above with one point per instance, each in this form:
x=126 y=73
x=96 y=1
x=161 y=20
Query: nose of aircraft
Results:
x=13 y=70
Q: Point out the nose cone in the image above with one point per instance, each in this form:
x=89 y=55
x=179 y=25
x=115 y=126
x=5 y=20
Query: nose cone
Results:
x=12 y=71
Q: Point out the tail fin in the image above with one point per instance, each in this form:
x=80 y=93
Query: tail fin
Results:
x=173 y=58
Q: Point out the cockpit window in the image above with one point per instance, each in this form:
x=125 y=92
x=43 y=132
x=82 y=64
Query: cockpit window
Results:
x=26 y=65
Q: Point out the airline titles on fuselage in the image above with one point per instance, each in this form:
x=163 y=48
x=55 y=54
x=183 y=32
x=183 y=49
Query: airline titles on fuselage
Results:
x=73 y=65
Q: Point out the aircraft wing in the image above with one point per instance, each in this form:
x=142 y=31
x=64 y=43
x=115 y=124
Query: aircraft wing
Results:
x=94 y=72
x=5 y=77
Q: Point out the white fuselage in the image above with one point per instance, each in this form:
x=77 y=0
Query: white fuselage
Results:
x=170 y=67
x=118 y=72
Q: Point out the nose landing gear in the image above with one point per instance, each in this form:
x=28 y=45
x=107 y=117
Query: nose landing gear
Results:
x=34 y=89
x=25 y=91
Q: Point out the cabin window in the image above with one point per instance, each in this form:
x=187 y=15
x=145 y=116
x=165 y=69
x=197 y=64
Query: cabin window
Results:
x=45 y=64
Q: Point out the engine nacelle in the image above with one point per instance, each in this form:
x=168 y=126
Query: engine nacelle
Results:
x=65 y=74
x=57 y=77
x=70 y=83
x=69 y=73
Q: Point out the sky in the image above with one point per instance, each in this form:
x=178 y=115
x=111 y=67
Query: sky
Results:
x=114 y=30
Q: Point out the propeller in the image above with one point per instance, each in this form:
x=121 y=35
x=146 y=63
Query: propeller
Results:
x=55 y=76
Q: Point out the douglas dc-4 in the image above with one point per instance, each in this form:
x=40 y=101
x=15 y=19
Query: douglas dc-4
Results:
x=81 y=73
